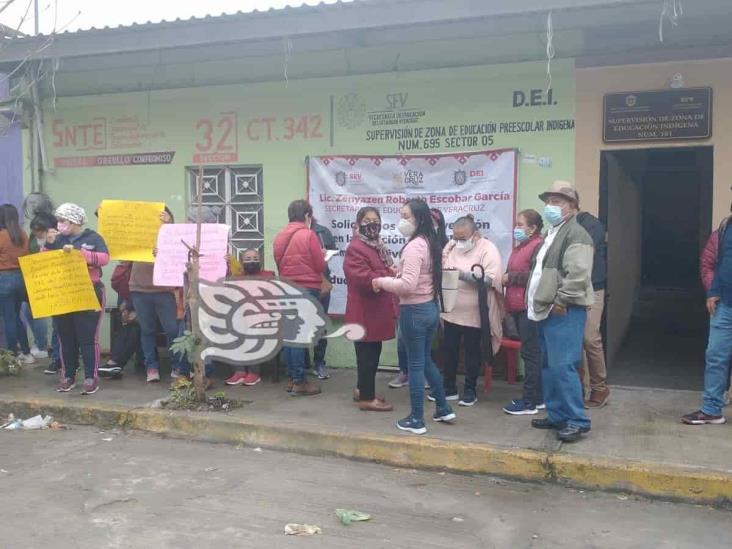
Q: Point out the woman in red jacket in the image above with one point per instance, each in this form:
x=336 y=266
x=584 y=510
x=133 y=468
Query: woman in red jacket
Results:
x=368 y=258
x=527 y=235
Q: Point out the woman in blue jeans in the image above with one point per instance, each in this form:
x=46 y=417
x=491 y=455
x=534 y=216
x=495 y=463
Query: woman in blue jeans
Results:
x=13 y=244
x=419 y=277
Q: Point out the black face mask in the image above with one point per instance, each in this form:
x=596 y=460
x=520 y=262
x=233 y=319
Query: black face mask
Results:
x=370 y=230
x=252 y=267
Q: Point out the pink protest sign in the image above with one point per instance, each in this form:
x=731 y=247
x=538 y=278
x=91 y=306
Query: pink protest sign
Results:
x=172 y=256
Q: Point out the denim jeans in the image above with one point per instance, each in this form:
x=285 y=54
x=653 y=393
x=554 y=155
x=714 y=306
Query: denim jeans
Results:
x=560 y=338
x=151 y=308
x=39 y=326
x=402 y=353
x=12 y=295
x=418 y=324
x=531 y=355
x=296 y=357
x=719 y=353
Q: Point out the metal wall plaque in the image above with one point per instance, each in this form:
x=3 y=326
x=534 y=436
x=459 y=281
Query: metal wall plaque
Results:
x=658 y=115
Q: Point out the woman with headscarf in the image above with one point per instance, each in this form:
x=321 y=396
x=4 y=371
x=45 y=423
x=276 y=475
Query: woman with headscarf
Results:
x=368 y=258
x=79 y=331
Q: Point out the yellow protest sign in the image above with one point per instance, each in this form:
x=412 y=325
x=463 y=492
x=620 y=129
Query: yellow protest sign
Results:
x=130 y=228
x=58 y=283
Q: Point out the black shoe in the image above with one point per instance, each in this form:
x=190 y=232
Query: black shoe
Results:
x=110 y=372
x=572 y=433
x=544 y=423
x=52 y=368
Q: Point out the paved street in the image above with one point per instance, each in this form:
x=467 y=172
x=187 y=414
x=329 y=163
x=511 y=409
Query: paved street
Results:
x=84 y=488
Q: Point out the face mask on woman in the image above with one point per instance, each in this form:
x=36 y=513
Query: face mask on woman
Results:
x=465 y=246
x=406 y=227
x=64 y=227
x=520 y=235
x=553 y=214
x=252 y=267
x=370 y=230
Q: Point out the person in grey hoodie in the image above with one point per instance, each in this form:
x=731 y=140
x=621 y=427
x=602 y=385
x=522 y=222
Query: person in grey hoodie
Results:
x=559 y=294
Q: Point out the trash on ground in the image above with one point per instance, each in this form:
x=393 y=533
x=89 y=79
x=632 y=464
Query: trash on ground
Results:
x=257 y=450
x=302 y=529
x=347 y=516
x=33 y=423
x=210 y=469
x=108 y=439
x=56 y=426
x=458 y=519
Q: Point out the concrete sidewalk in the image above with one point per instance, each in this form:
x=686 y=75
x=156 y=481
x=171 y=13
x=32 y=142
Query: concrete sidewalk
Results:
x=637 y=443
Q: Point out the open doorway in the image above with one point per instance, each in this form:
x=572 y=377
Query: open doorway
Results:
x=657 y=207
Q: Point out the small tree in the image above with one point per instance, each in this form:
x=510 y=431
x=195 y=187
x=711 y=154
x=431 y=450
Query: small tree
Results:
x=193 y=297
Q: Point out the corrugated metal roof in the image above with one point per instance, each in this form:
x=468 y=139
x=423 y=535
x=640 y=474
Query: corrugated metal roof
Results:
x=213 y=18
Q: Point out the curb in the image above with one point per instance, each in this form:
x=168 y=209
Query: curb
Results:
x=674 y=482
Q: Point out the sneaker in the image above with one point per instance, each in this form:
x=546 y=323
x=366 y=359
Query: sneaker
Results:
x=448 y=396
x=252 y=379
x=700 y=418
x=153 y=375
x=541 y=406
x=37 y=353
x=321 y=371
x=520 y=408
x=290 y=385
x=304 y=389
x=414 y=426
x=65 y=385
x=52 y=368
x=91 y=386
x=469 y=398
x=237 y=379
x=444 y=415
x=110 y=371
x=175 y=373
x=26 y=358
x=401 y=380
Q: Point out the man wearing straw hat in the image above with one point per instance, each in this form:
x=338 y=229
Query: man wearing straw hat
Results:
x=558 y=296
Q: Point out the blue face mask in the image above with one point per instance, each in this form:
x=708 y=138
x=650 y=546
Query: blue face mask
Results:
x=553 y=214
x=519 y=235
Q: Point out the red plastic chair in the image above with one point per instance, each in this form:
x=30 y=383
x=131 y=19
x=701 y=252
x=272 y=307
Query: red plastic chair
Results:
x=511 y=348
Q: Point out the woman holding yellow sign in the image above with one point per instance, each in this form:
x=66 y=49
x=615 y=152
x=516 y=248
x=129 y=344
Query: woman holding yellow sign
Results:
x=79 y=331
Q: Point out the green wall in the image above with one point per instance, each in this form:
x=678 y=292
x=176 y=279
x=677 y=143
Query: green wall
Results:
x=308 y=118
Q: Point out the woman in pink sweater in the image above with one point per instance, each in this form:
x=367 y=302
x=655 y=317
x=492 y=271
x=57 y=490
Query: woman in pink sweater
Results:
x=463 y=324
x=418 y=279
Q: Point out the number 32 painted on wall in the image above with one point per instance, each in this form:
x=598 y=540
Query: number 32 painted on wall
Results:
x=218 y=137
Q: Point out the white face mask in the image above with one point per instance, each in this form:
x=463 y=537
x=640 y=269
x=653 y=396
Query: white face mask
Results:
x=464 y=246
x=406 y=227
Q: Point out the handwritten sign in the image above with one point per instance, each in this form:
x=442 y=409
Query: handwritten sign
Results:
x=58 y=283
x=170 y=263
x=130 y=229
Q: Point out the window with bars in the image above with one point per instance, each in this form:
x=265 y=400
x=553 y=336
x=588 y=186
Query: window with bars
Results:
x=238 y=191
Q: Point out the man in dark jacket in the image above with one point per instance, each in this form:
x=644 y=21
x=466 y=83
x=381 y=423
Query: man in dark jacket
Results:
x=594 y=370
x=327 y=242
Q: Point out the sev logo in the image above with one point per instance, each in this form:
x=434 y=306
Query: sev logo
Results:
x=247 y=322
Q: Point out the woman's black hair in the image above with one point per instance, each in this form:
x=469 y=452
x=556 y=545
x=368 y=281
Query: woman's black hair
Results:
x=42 y=222
x=441 y=228
x=363 y=211
x=533 y=218
x=9 y=221
x=423 y=219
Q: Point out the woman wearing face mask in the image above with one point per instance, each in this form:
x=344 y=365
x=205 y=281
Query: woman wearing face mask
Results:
x=79 y=331
x=463 y=324
x=13 y=245
x=251 y=267
x=368 y=258
x=418 y=280
x=527 y=235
